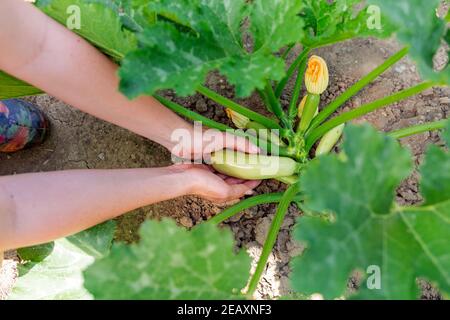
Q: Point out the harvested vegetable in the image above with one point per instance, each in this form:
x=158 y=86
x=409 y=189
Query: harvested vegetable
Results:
x=253 y=166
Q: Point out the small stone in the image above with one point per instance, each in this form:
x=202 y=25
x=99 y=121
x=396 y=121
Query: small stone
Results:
x=380 y=122
x=356 y=102
x=201 y=106
x=236 y=217
x=261 y=230
x=400 y=68
x=444 y=100
x=409 y=110
x=294 y=248
x=186 y=222
x=428 y=92
x=425 y=110
x=102 y=156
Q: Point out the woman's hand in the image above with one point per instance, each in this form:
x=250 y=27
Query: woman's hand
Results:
x=207 y=184
x=198 y=144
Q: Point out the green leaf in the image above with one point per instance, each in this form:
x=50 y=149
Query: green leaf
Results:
x=369 y=231
x=275 y=24
x=199 y=36
x=327 y=22
x=171 y=263
x=11 y=87
x=435 y=172
x=101 y=23
x=54 y=271
x=36 y=253
x=421 y=29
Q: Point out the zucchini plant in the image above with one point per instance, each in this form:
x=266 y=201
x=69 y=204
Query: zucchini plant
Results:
x=350 y=221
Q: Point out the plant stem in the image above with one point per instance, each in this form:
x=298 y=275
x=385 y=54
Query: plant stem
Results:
x=191 y=114
x=358 y=86
x=285 y=201
x=280 y=87
x=286 y=52
x=268 y=123
x=276 y=106
x=292 y=111
x=410 y=131
x=248 y=203
x=364 y=109
x=289 y=180
x=264 y=98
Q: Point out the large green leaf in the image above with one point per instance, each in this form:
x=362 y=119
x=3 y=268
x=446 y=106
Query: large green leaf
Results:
x=171 y=263
x=369 y=231
x=54 y=271
x=11 y=87
x=101 y=23
x=421 y=29
x=328 y=22
x=205 y=35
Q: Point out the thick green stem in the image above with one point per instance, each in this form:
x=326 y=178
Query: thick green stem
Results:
x=276 y=106
x=268 y=123
x=248 y=203
x=289 y=180
x=191 y=115
x=421 y=128
x=293 y=67
x=285 y=201
x=309 y=111
x=264 y=98
x=358 y=86
x=293 y=106
x=363 y=110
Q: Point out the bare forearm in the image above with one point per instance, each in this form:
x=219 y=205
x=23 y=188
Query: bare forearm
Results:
x=45 y=54
x=40 y=207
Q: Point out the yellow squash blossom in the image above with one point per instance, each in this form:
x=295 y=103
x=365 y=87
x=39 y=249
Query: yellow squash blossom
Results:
x=238 y=119
x=316 y=77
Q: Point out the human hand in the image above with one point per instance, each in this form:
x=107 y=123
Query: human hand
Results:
x=199 y=145
x=207 y=184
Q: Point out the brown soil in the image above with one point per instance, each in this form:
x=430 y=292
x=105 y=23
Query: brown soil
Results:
x=78 y=141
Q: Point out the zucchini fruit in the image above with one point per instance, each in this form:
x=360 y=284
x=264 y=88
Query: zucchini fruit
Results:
x=253 y=166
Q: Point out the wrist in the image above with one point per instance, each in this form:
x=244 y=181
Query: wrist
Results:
x=185 y=178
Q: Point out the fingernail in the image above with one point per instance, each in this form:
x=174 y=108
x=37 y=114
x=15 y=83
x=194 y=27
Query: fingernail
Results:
x=249 y=193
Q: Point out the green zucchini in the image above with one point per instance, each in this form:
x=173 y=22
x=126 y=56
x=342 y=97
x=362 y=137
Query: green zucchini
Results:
x=251 y=166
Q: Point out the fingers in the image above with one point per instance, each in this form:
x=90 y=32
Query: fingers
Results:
x=252 y=184
x=238 y=191
x=239 y=144
x=231 y=180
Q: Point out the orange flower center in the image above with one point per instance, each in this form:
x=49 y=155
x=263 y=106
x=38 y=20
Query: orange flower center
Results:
x=314 y=70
